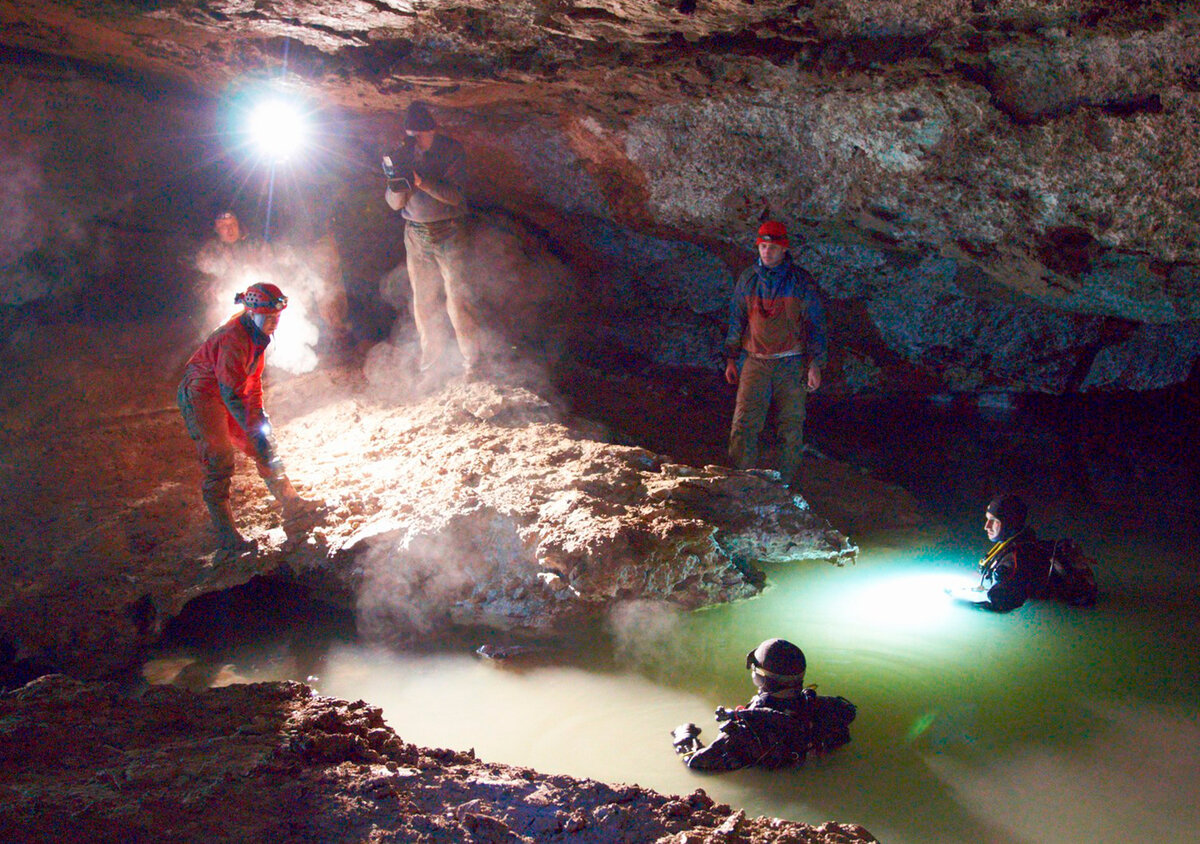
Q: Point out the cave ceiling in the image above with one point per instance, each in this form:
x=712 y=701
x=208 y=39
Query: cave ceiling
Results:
x=941 y=156
x=610 y=56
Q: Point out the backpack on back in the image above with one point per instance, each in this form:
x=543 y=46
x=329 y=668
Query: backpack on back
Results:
x=1069 y=576
x=774 y=738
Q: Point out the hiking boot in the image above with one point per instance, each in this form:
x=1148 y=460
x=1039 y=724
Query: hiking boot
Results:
x=297 y=509
x=229 y=540
x=299 y=514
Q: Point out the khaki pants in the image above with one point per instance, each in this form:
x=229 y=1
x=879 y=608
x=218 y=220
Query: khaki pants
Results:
x=784 y=382
x=437 y=259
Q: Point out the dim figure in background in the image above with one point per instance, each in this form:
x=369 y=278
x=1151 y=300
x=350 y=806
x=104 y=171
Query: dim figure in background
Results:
x=232 y=252
x=777 y=320
x=780 y=725
x=221 y=398
x=229 y=261
x=228 y=228
x=425 y=186
x=1019 y=566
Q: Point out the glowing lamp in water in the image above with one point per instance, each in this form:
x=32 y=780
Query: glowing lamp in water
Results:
x=907 y=599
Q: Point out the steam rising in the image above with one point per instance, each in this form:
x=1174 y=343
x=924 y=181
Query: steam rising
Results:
x=524 y=298
x=308 y=278
x=403 y=593
x=38 y=243
x=413 y=583
x=647 y=633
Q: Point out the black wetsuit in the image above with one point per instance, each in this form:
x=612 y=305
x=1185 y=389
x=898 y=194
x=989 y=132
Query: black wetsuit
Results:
x=777 y=729
x=1015 y=571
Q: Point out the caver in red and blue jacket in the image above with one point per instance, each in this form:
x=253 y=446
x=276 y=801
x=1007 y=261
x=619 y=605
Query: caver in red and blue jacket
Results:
x=775 y=312
x=222 y=404
x=777 y=320
x=221 y=398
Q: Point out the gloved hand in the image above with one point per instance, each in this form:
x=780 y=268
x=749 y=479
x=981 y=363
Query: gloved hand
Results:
x=264 y=446
x=723 y=713
x=686 y=739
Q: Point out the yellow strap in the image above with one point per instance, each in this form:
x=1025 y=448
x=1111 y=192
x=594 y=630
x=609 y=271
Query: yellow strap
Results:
x=790 y=679
x=995 y=552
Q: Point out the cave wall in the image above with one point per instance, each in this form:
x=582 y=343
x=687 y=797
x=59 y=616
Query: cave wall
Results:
x=993 y=196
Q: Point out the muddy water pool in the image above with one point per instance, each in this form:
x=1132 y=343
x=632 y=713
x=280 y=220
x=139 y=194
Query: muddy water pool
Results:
x=1049 y=724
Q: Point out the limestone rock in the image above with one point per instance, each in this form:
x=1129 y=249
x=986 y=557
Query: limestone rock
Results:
x=478 y=504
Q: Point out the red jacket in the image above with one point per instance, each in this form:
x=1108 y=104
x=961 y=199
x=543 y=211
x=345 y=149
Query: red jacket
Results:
x=228 y=366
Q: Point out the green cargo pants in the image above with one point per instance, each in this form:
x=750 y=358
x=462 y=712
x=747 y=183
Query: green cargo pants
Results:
x=784 y=382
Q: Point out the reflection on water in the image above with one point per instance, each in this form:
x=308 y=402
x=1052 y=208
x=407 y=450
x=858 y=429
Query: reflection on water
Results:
x=1050 y=724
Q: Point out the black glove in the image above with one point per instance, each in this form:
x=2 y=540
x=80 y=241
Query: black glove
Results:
x=686 y=739
x=723 y=713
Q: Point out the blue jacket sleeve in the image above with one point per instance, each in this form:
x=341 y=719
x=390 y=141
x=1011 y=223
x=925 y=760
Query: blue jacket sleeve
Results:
x=738 y=317
x=817 y=336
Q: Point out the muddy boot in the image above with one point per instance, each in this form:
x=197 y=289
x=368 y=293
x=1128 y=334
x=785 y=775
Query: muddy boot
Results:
x=228 y=538
x=299 y=514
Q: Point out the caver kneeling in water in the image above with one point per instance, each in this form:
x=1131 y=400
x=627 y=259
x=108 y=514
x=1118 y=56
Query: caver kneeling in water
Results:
x=780 y=725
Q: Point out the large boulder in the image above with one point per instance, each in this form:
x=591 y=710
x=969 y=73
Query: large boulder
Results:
x=478 y=504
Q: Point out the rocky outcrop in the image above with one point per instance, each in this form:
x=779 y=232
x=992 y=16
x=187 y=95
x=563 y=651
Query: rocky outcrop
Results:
x=475 y=504
x=478 y=504
x=1021 y=173
x=274 y=762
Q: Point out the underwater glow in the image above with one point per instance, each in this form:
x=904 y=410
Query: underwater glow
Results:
x=906 y=599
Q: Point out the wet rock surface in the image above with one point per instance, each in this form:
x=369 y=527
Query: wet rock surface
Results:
x=472 y=503
x=273 y=761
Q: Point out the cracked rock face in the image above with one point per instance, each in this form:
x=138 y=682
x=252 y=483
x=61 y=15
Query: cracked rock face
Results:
x=1041 y=154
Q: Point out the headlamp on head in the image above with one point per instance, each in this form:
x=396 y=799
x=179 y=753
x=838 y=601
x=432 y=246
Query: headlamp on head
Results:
x=776 y=664
x=262 y=298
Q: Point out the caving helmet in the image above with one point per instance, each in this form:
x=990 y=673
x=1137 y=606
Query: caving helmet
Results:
x=772 y=231
x=262 y=298
x=776 y=664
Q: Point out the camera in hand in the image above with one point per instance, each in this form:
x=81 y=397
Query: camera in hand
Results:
x=396 y=182
x=686 y=739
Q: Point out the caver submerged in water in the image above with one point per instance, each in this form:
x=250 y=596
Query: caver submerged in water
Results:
x=1020 y=566
x=780 y=725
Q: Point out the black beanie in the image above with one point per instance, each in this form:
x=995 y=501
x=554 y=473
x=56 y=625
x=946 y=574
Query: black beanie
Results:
x=1010 y=510
x=418 y=118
